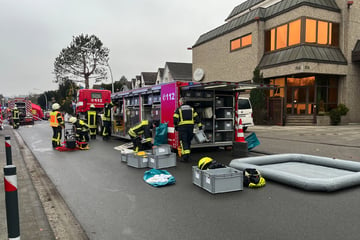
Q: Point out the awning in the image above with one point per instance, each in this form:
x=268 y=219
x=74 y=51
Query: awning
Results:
x=355 y=56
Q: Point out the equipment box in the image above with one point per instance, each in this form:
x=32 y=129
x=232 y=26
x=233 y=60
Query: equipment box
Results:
x=162 y=149
x=224 y=125
x=162 y=161
x=136 y=161
x=224 y=113
x=222 y=180
x=200 y=136
x=124 y=153
x=196 y=176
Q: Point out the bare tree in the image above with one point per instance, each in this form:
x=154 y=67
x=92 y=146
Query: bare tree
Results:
x=86 y=58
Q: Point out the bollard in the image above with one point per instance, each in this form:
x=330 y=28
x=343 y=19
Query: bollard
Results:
x=8 y=150
x=11 y=200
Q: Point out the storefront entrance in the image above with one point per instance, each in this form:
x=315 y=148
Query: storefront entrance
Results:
x=300 y=94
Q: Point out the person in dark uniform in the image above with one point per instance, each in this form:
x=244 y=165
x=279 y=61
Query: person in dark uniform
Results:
x=143 y=129
x=81 y=132
x=91 y=121
x=15 y=118
x=57 y=123
x=185 y=118
x=106 y=133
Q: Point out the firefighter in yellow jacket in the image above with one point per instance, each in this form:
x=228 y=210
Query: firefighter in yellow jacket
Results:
x=185 y=118
x=91 y=121
x=15 y=117
x=106 y=132
x=143 y=129
x=81 y=132
x=57 y=123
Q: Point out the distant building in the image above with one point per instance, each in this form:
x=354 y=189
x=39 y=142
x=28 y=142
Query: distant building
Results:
x=309 y=48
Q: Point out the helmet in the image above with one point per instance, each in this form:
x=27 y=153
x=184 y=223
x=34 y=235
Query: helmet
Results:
x=92 y=106
x=55 y=106
x=204 y=163
x=15 y=108
x=182 y=101
x=73 y=119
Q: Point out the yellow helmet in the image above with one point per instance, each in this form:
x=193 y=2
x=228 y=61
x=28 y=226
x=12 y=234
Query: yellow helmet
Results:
x=142 y=153
x=204 y=163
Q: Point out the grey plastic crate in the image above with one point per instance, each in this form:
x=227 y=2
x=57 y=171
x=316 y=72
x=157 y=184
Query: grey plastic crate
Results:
x=162 y=161
x=136 y=161
x=162 y=149
x=222 y=180
x=197 y=176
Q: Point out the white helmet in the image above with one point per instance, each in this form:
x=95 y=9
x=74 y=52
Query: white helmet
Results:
x=55 y=106
x=15 y=108
x=92 y=106
x=73 y=119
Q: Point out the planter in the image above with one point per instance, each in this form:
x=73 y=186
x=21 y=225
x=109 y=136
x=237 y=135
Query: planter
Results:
x=323 y=120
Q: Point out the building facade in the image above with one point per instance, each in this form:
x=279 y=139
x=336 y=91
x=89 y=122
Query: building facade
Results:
x=309 y=49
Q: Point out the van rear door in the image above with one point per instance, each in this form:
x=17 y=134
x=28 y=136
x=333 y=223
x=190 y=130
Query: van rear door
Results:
x=245 y=111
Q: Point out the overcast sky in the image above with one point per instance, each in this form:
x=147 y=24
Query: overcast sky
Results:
x=141 y=34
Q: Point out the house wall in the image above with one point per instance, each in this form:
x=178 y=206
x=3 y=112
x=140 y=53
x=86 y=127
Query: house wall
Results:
x=219 y=64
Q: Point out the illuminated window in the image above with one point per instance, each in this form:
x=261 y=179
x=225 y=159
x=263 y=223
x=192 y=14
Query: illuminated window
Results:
x=294 y=32
x=235 y=44
x=316 y=32
x=240 y=42
x=281 y=36
x=322 y=32
x=246 y=41
x=310 y=31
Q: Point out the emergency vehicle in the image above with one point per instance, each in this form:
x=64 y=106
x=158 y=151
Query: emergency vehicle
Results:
x=86 y=97
x=1 y=118
x=25 y=109
x=215 y=102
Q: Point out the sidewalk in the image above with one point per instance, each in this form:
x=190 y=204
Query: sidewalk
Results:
x=34 y=224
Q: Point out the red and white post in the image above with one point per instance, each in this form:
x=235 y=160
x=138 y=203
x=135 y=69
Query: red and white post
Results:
x=240 y=146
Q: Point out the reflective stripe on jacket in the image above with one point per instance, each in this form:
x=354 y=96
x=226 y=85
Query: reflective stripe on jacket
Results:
x=142 y=128
x=56 y=119
x=185 y=115
x=91 y=116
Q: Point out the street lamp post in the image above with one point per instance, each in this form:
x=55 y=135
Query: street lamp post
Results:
x=111 y=75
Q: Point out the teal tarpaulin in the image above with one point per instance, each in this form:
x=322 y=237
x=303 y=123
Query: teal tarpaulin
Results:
x=158 y=177
x=252 y=141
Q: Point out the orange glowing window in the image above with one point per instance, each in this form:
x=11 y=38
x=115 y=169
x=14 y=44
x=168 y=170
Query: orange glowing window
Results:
x=235 y=44
x=330 y=31
x=272 y=40
x=310 y=36
x=294 y=32
x=240 y=42
x=246 y=40
x=281 y=36
x=322 y=32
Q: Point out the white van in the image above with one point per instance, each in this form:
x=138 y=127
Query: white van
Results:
x=245 y=112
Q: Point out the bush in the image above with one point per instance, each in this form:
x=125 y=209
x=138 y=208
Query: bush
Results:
x=336 y=113
x=335 y=116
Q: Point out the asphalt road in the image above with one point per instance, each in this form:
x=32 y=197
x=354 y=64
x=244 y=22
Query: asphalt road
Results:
x=112 y=201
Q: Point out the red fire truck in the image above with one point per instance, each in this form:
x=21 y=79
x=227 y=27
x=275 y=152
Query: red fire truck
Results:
x=214 y=102
x=86 y=97
x=24 y=105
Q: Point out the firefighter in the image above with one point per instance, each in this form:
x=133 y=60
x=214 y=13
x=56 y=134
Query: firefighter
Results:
x=143 y=129
x=15 y=117
x=184 y=119
x=57 y=123
x=91 y=121
x=106 y=133
x=81 y=132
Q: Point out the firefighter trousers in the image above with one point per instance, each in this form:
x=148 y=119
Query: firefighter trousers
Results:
x=56 y=139
x=185 y=136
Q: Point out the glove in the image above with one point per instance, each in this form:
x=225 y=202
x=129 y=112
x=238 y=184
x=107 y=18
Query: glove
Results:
x=200 y=128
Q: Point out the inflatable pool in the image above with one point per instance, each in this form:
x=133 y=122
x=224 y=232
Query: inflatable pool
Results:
x=311 y=173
